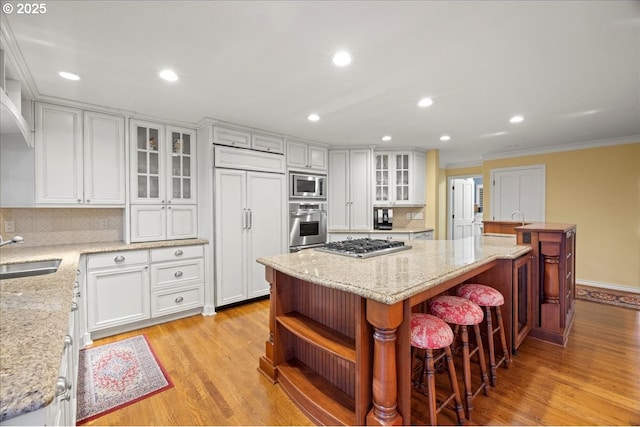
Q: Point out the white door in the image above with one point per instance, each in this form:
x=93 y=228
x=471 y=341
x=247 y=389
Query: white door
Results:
x=231 y=235
x=462 y=201
x=518 y=189
x=338 y=197
x=361 y=208
x=267 y=225
x=104 y=163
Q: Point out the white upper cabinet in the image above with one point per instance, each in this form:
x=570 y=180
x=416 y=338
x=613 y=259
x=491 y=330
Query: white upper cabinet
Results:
x=76 y=166
x=349 y=200
x=302 y=156
x=163 y=182
x=245 y=138
x=399 y=178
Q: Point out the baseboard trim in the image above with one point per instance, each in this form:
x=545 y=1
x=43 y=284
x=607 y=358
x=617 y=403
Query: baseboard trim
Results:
x=611 y=286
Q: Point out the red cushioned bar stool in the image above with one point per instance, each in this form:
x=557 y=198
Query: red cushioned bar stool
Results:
x=463 y=313
x=429 y=333
x=491 y=300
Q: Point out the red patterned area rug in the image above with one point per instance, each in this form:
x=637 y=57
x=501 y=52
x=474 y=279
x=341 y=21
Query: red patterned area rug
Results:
x=118 y=374
x=609 y=296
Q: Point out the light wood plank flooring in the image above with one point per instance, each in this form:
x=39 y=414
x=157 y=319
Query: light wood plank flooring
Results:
x=212 y=361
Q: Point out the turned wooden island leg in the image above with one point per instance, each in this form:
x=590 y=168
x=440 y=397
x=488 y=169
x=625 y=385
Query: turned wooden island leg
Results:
x=385 y=320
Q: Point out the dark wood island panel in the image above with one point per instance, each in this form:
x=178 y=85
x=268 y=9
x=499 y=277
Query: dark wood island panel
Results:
x=344 y=357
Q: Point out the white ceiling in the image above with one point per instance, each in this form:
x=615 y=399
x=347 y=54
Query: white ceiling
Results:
x=571 y=68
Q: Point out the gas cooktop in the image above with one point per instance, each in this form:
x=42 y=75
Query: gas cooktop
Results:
x=363 y=248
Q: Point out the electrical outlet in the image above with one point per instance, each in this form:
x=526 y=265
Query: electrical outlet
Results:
x=104 y=224
x=9 y=226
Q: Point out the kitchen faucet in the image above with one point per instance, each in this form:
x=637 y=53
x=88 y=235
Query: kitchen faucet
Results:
x=519 y=213
x=16 y=239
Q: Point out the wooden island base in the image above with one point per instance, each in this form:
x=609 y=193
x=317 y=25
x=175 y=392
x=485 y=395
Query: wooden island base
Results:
x=345 y=359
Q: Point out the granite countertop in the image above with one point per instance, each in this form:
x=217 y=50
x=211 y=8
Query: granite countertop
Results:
x=34 y=313
x=397 y=276
x=394 y=230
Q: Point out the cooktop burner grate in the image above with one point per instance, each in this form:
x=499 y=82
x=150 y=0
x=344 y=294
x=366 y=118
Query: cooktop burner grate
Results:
x=363 y=248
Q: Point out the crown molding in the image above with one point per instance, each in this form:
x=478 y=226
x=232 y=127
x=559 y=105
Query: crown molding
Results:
x=13 y=56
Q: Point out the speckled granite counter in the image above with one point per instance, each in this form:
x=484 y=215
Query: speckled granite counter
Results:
x=410 y=230
x=397 y=276
x=34 y=314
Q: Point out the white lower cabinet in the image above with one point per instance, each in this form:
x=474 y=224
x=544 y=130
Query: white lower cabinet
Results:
x=118 y=289
x=250 y=217
x=130 y=289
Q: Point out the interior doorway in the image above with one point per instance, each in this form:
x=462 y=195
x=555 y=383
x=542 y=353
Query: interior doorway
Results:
x=465 y=207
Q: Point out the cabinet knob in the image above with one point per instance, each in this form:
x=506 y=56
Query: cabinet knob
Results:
x=74 y=306
x=119 y=258
x=88 y=200
x=79 y=200
x=179 y=300
x=178 y=273
x=62 y=385
x=68 y=341
x=179 y=252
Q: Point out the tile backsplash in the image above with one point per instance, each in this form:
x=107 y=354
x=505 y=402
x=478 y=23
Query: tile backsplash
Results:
x=61 y=226
x=400 y=219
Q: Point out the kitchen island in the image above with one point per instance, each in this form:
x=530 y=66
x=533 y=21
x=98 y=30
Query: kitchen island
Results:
x=339 y=342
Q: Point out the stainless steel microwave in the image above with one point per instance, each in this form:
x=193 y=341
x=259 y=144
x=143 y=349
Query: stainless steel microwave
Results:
x=306 y=186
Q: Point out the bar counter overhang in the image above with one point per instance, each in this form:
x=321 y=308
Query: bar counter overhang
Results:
x=339 y=338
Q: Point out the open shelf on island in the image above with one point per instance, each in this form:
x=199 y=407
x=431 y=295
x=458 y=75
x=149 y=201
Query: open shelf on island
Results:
x=323 y=402
x=319 y=335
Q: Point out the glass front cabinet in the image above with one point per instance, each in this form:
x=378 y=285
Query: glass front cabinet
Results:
x=163 y=193
x=399 y=178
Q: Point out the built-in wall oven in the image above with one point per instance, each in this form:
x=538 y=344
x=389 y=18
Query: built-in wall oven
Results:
x=307 y=225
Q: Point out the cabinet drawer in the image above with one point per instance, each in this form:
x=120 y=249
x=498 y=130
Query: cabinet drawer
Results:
x=117 y=259
x=176 y=253
x=171 y=273
x=175 y=300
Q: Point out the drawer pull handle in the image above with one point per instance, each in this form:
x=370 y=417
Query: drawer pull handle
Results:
x=179 y=300
x=179 y=252
x=178 y=273
x=119 y=258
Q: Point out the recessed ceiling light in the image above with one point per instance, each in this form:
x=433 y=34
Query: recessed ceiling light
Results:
x=425 y=102
x=313 y=117
x=516 y=119
x=386 y=138
x=168 y=75
x=342 y=58
x=68 y=76
x=445 y=138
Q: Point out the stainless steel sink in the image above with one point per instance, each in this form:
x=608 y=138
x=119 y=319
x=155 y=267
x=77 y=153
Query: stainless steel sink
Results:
x=32 y=268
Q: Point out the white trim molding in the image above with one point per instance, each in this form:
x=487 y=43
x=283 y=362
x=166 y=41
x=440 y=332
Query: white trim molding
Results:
x=611 y=286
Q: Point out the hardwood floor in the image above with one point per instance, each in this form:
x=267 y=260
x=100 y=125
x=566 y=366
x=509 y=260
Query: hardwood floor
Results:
x=212 y=361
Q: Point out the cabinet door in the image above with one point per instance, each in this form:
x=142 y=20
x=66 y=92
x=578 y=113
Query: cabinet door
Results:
x=401 y=178
x=182 y=221
x=361 y=213
x=267 y=226
x=338 y=197
x=419 y=178
x=58 y=155
x=317 y=158
x=117 y=296
x=231 y=229
x=147 y=165
x=382 y=176
x=181 y=166
x=104 y=164
x=522 y=300
x=148 y=223
x=297 y=154
x=270 y=143
x=232 y=137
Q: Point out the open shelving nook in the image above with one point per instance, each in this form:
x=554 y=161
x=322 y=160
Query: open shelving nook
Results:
x=320 y=334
